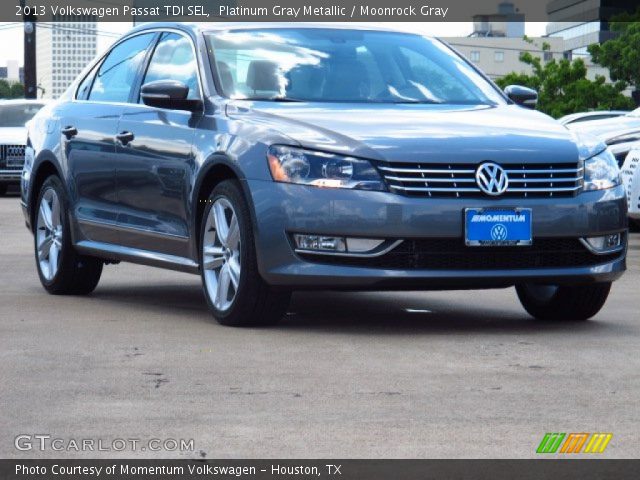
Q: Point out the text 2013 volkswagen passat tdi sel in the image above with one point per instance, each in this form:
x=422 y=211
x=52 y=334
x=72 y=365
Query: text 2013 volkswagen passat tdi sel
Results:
x=270 y=158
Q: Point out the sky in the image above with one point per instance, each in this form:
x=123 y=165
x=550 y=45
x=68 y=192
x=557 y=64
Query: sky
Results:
x=13 y=34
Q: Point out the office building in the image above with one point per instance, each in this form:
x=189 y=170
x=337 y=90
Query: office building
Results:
x=64 y=48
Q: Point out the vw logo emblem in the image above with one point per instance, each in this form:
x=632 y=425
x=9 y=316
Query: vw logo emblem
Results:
x=492 y=179
x=499 y=232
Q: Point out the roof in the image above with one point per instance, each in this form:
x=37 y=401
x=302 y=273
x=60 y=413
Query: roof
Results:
x=218 y=26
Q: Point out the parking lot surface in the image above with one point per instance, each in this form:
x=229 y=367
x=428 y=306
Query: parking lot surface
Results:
x=364 y=375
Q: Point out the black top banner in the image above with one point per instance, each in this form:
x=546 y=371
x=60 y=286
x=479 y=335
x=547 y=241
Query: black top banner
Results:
x=315 y=10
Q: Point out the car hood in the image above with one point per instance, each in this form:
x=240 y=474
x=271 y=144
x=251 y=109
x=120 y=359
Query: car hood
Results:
x=13 y=135
x=608 y=128
x=419 y=133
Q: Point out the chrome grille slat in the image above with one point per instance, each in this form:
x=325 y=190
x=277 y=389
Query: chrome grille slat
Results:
x=428 y=179
x=459 y=180
x=533 y=171
x=426 y=170
x=436 y=189
x=549 y=189
x=544 y=180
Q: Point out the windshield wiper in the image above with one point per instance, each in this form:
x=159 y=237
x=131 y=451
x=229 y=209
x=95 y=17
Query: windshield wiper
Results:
x=273 y=99
x=417 y=102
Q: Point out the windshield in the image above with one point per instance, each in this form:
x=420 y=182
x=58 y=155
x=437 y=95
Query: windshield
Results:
x=335 y=65
x=16 y=115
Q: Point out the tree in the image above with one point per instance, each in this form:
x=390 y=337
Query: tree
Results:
x=11 y=90
x=621 y=55
x=5 y=89
x=17 y=90
x=563 y=87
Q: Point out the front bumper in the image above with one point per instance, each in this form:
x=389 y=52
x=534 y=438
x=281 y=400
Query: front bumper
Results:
x=281 y=209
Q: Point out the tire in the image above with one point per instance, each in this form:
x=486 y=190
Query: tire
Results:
x=61 y=269
x=634 y=225
x=235 y=292
x=549 y=302
x=3 y=189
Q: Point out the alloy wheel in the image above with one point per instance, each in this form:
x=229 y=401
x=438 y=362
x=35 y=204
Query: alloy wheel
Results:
x=49 y=234
x=221 y=247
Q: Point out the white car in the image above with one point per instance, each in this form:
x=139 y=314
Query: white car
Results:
x=590 y=116
x=619 y=133
x=14 y=114
x=631 y=178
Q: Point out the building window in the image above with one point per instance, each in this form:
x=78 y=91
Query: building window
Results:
x=498 y=56
x=548 y=56
x=475 y=56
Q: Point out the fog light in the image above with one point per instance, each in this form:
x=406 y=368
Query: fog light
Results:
x=320 y=243
x=345 y=246
x=604 y=243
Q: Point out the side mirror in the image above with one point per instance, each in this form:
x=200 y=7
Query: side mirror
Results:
x=523 y=96
x=170 y=94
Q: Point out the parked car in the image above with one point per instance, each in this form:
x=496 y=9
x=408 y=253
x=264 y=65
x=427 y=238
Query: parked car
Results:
x=14 y=114
x=619 y=133
x=631 y=180
x=589 y=116
x=272 y=158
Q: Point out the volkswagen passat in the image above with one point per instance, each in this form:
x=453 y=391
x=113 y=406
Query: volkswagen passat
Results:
x=269 y=158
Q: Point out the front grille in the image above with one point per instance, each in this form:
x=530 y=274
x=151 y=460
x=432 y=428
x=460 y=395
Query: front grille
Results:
x=12 y=157
x=453 y=254
x=458 y=180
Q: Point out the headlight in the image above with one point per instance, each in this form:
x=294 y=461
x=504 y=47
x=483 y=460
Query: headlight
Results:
x=601 y=171
x=295 y=165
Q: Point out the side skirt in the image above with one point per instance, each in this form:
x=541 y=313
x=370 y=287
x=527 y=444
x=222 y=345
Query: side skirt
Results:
x=110 y=251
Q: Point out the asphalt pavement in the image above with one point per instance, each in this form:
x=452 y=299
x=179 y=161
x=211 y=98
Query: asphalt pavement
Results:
x=345 y=375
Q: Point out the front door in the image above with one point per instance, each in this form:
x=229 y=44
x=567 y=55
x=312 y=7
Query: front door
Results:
x=155 y=159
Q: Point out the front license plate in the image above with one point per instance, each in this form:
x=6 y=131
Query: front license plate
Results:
x=488 y=227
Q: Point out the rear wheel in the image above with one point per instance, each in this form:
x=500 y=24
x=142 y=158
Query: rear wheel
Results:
x=236 y=293
x=553 y=302
x=61 y=269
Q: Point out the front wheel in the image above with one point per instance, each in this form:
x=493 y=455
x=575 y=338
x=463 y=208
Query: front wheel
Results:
x=236 y=293
x=553 y=302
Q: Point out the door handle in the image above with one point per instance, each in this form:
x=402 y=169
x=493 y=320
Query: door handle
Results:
x=125 y=137
x=69 y=131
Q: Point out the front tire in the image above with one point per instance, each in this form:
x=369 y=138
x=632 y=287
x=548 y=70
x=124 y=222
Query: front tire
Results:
x=235 y=292
x=61 y=269
x=551 y=302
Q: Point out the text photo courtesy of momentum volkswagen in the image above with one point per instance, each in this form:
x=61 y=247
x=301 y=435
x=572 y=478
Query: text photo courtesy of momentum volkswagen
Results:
x=269 y=158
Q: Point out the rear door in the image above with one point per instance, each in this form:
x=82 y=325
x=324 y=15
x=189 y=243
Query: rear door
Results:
x=156 y=163
x=88 y=128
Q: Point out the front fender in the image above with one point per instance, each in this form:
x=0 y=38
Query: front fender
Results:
x=216 y=168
